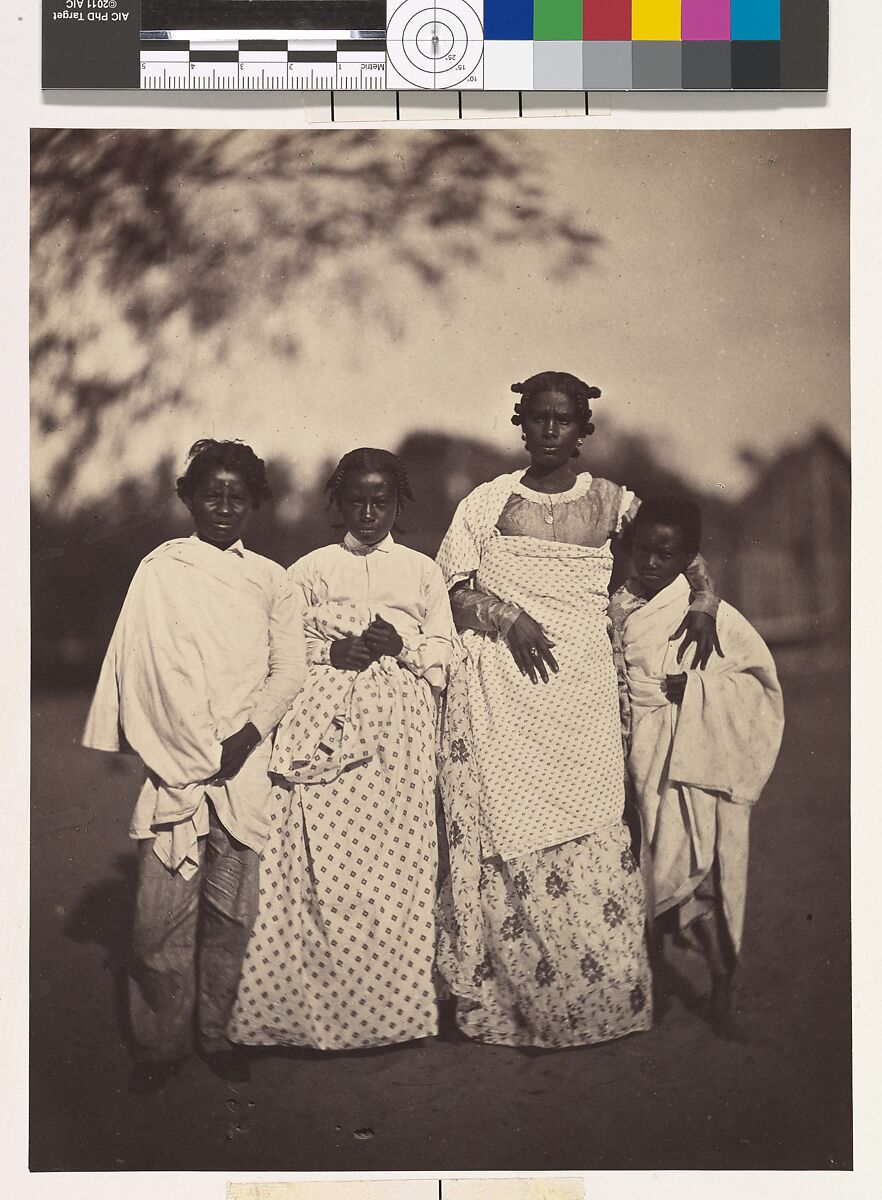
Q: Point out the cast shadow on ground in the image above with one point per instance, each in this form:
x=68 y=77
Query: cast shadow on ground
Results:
x=677 y=984
x=104 y=916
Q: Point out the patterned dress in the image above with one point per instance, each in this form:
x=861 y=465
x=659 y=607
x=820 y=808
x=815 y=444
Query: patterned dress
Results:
x=541 y=921
x=342 y=952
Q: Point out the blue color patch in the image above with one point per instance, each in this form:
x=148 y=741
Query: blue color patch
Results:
x=508 y=20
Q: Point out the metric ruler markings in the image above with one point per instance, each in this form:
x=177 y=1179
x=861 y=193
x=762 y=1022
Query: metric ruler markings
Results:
x=336 y=59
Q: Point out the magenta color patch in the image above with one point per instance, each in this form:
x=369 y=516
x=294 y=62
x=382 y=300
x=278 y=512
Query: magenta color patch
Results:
x=705 y=21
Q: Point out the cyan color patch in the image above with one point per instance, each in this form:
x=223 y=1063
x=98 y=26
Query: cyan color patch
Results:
x=756 y=20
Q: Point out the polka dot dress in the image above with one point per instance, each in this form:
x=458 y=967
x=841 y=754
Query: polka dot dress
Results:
x=341 y=955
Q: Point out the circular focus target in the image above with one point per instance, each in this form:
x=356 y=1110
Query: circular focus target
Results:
x=436 y=40
x=436 y=45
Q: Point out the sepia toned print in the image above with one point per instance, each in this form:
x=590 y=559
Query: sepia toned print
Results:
x=309 y=294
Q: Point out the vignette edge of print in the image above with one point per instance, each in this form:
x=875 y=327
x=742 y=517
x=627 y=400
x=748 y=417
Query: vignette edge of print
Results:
x=543 y=938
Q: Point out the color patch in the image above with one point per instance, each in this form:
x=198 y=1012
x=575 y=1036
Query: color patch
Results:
x=508 y=65
x=756 y=20
x=756 y=66
x=657 y=66
x=655 y=20
x=606 y=66
x=557 y=20
x=763 y=45
x=804 y=37
x=557 y=66
x=705 y=20
x=508 y=20
x=608 y=21
x=707 y=66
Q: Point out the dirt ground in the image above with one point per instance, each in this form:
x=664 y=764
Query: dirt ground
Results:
x=673 y=1098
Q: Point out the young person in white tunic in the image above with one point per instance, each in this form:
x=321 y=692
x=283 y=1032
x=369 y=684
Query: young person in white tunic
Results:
x=542 y=917
x=342 y=951
x=207 y=654
x=702 y=747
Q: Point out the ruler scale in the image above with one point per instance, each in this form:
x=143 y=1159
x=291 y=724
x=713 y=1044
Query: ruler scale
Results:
x=435 y=45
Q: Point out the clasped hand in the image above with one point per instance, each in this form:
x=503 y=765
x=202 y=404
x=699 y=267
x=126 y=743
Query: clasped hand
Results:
x=359 y=651
x=674 y=687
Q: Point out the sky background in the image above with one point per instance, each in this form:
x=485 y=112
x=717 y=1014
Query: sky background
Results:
x=712 y=311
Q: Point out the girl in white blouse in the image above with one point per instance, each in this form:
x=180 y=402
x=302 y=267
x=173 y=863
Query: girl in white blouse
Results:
x=341 y=955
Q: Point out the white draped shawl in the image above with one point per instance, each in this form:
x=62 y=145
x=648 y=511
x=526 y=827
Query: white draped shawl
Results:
x=548 y=756
x=186 y=662
x=697 y=767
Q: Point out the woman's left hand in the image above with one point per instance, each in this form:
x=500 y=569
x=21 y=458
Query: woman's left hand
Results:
x=531 y=649
x=381 y=638
x=699 y=628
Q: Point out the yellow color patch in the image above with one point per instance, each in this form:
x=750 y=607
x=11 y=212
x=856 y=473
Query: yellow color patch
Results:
x=655 y=20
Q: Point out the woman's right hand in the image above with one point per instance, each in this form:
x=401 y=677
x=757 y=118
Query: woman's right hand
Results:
x=350 y=654
x=531 y=649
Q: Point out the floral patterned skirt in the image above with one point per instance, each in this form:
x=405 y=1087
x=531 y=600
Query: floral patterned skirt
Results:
x=543 y=949
x=564 y=959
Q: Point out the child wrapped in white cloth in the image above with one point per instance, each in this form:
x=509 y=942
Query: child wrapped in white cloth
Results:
x=702 y=743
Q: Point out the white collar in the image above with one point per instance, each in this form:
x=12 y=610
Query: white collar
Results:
x=236 y=548
x=580 y=486
x=354 y=546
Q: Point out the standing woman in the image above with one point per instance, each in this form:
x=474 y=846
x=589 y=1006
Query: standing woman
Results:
x=542 y=915
x=341 y=954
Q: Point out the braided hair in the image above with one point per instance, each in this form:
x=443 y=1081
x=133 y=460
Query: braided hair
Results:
x=557 y=381
x=207 y=455
x=675 y=511
x=368 y=459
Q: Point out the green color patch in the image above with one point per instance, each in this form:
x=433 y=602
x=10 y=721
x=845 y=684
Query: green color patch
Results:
x=557 y=20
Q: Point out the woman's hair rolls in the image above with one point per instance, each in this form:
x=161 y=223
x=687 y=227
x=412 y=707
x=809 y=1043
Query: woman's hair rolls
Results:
x=207 y=455
x=577 y=390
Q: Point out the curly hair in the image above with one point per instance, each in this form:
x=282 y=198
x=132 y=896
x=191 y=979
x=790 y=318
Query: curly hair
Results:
x=557 y=381
x=677 y=512
x=207 y=455
x=366 y=458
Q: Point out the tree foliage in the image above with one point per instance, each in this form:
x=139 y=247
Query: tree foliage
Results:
x=155 y=252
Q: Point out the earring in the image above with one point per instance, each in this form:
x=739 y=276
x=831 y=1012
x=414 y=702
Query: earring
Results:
x=581 y=440
x=523 y=437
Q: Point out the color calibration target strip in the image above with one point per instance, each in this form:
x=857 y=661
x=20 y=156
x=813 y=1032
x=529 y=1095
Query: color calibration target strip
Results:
x=494 y=45
x=660 y=45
